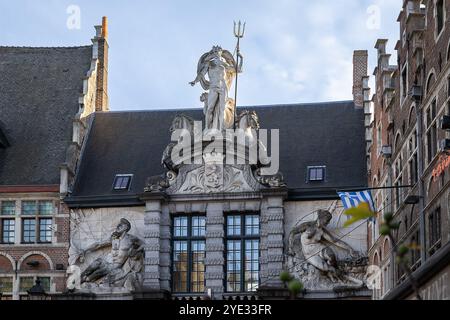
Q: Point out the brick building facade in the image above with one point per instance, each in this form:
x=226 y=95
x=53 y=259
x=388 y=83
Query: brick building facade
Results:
x=408 y=151
x=47 y=95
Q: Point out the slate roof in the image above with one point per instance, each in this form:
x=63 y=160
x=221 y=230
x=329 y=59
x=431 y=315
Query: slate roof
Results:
x=39 y=91
x=330 y=134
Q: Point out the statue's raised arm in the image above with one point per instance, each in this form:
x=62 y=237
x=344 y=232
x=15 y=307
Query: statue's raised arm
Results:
x=202 y=70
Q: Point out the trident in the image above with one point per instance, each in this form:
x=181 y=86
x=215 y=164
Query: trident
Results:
x=239 y=31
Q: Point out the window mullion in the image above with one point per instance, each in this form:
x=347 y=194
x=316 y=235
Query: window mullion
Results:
x=189 y=249
x=242 y=253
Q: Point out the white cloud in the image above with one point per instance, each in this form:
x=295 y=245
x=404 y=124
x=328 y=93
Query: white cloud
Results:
x=295 y=50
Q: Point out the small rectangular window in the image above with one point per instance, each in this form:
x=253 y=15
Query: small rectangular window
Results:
x=252 y=225
x=6 y=284
x=198 y=226
x=122 y=181
x=8 y=231
x=25 y=283
x=45 y=207
x=29 y=230
x=29 y=208
x=316 y=173
x=180 y=225
x=45 y=230
x=8 y=208
x=234 y=225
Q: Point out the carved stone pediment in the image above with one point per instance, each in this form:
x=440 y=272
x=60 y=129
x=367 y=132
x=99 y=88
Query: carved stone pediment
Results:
x=214 y=161
x=214 y=178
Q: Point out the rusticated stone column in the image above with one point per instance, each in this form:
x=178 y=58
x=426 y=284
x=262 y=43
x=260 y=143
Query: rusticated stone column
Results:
x=214 y=262
x=271 y=247
x=164 y=251
x=157 y=244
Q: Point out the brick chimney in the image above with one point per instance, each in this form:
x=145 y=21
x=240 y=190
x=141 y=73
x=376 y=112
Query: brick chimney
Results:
x=101 y=40
x=360 y=65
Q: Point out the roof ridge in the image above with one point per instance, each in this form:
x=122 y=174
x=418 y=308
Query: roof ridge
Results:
x=239 y=107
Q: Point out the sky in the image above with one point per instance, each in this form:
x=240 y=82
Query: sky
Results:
x=295 y=51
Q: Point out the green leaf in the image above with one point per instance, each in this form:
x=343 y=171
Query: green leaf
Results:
x=388 y=217
x=286 y=276
x=361 y=212
x=385 y=230
x=403 y=250
x=295 y=287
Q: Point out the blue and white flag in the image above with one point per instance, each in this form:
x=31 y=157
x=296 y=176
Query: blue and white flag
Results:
x=353 y=199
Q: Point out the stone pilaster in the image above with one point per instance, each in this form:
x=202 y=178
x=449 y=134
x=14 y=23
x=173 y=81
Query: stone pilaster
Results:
x=157 y=245
x=164 y=252
x=271 y=247
x=214 y=261
x=152 y=221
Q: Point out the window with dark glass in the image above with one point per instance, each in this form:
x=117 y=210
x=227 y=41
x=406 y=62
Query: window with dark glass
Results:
x=122 y=181
x=36 y=225
x=7 y=222
x=26 y=283
x=242 y=244
x=45 y=283
x=434 y=227
x=188 y=261
x=316 y=173
x=6 y=285
x=448 y=86
x=431 y=132
x=415 y=253
x=45 y=208
x=8 y=208
x=440 y=15
x=29 y=208
x=404 y=82
x=8 y=231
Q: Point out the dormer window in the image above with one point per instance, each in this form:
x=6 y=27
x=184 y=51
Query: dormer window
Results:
x=316 y=173
x=122 y=181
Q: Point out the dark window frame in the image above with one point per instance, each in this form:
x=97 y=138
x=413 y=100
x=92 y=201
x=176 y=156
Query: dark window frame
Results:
x=189 y=238
x=122 y=177
x=310 y=169
x=38 y=215
x=434 y=230
x=2 y=230
x=29 y=231
x=242 y=238
x=431 y=131
x=440 y=17
x=2 y=208
x=40 y=231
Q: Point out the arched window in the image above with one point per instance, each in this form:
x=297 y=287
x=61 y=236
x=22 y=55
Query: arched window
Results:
x=386 y=248
x=430 y=81
x=376 y=259
x=412 y=115
x=397 y=140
